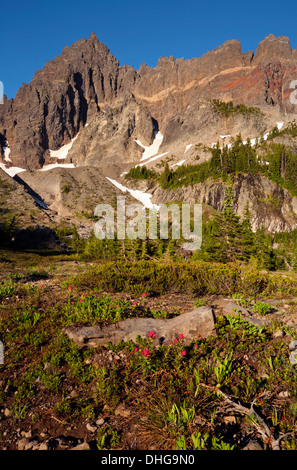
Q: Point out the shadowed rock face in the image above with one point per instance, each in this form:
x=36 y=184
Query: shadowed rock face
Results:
x=87 y=82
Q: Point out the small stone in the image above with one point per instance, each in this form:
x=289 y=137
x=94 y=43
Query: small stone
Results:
x=253 y=445
x=34 y=445
x=284 y=394
x=293 y=345
x=229 y=419
x=293 y=355
x=91 y=428
x=100 y=422
x=278 y=334
x=83 y=446
x=73 y=393
x=22 y=443
x=198 y=420
x=122 y=411
x=27 y=434
x=43 y=446
x=7 y=412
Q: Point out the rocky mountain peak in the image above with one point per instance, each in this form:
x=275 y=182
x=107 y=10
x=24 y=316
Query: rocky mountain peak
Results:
x=272 y=47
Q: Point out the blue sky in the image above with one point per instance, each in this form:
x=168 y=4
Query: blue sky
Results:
x=33 y=31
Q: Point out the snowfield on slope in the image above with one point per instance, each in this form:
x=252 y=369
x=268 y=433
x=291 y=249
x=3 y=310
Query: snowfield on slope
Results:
x=57 y=165
x=151 y=150
x=12 y=171
x=62 y=152
x=144 y=198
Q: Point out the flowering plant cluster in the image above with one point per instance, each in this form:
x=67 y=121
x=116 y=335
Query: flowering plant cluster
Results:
x=179 y=341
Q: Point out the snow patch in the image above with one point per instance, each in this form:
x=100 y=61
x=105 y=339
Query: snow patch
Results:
x=188 y=147
x=7 y=151
x=57 y=165
x=179 y=163
x=62 y=152
x=151 y=150
x=140 y=144
x=152 y=159
x=12 y=171
x=144 y=198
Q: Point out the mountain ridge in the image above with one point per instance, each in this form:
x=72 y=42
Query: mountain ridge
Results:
x=76 y=86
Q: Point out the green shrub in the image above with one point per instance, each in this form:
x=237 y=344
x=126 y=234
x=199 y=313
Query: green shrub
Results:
x=140 y=173
x=199 y=278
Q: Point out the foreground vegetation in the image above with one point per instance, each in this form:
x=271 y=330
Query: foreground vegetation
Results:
x=172 y=397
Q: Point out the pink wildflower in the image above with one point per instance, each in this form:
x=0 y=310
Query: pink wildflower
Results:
x=146 y=353
x=176 y=340
x=152 y=334
x=134 y=303
x=170 y=342
x=144 y=295
x=70 y=287
x=136 y=349
x=181 y=336
x=183 y=353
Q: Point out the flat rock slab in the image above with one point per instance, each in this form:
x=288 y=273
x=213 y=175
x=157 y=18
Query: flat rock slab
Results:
x=197 y=324
x=231 y=308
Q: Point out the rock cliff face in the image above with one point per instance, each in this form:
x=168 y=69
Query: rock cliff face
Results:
x=87 y=81
x=270 y=205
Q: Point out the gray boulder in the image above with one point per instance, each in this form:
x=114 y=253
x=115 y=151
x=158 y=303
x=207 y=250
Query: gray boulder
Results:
x=197 y=324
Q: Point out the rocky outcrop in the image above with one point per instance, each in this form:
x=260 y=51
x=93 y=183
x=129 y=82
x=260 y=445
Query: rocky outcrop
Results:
x=270 y=205
x=200 y=323
x=109 y=141
x=276 y=48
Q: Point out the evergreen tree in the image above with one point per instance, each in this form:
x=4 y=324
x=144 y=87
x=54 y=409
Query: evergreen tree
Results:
x=248 y=232
x=263 y=248
x=144 y=250
x=165 y=177
x=228 y=240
